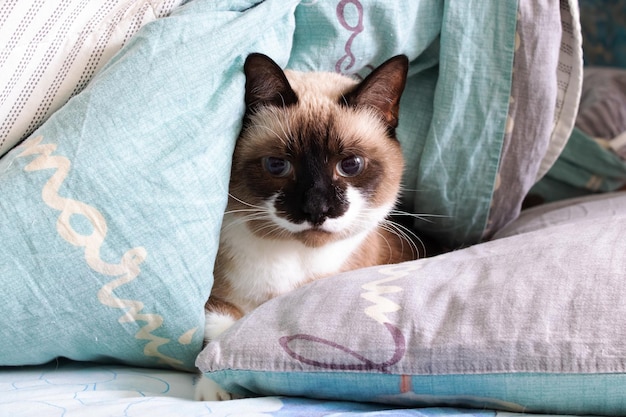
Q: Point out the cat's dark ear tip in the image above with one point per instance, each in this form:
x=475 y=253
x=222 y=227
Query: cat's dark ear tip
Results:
x=255 y=56
x=255 y=59
x=401 y=59
x=266 y=83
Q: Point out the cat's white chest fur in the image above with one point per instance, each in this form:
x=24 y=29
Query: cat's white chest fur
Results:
x=264 y=268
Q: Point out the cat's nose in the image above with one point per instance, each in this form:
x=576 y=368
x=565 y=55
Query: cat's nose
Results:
x=317 y=219
x=316 y=207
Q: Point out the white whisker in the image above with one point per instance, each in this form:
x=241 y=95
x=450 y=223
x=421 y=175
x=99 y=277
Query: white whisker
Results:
x=406 y=234
x=418 y=216
x=284 y=140
x=252 y=210
x=245 y=219
x=245 y=203
x=382 y=236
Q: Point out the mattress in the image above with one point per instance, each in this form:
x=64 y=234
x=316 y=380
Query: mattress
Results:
x=66 y=388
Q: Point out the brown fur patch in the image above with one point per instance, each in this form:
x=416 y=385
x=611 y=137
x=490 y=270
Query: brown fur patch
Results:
x=221 y=306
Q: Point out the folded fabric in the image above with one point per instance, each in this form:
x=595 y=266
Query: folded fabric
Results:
x=585 y=167
x=111 y=210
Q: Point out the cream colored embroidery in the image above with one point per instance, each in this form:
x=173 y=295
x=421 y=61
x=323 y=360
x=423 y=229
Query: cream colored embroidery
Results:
x=128 y=267
x=381 y=305
x=187 y=337
x=375 y=291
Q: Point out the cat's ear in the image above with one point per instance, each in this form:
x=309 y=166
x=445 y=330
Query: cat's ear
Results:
x=382 y=89
x=266 y=83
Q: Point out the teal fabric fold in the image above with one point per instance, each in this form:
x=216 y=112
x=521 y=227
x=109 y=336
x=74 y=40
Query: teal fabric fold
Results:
x=584 y=167
x=455 y=157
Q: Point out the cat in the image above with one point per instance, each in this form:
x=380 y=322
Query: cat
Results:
x=316 y=171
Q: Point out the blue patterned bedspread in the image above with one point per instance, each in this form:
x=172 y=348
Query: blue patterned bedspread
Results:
x=79 y=389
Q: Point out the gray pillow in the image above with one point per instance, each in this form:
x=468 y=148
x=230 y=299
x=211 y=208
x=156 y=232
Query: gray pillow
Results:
x=533 y=322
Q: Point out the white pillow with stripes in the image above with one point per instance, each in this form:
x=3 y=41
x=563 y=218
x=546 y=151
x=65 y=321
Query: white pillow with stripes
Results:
x=49 y=50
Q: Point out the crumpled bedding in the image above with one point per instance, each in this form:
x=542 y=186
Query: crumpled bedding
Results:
x=111 y=210
x=594 y=160
x=72 y=389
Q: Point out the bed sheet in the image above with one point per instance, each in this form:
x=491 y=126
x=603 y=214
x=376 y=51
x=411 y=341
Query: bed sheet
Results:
x=69 y=389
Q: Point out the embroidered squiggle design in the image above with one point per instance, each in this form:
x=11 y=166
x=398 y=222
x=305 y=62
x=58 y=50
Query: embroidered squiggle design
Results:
x=348 y=60
x=128 y=267
x=381 y=306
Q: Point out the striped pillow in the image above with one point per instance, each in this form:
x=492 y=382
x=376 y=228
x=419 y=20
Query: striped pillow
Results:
x=50 y=50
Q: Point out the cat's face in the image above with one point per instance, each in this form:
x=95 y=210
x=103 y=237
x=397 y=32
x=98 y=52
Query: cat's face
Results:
x=317 y=159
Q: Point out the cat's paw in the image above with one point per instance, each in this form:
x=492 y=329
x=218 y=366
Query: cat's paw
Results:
x=209 y=390
x=215 y=324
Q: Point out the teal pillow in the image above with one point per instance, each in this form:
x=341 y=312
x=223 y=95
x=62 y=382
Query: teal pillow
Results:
x=111 y=210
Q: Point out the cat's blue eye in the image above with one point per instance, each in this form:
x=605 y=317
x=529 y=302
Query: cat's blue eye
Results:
x=277 y=167
x=351 y=166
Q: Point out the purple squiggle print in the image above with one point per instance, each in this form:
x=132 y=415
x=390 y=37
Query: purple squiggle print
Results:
x=365 y=365
x=356 y=30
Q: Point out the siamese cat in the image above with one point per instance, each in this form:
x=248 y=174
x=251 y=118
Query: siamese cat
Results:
x=316 y=172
